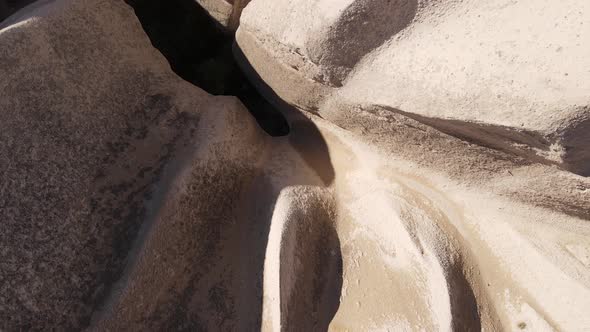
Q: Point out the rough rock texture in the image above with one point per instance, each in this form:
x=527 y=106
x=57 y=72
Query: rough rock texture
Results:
x=399 y=88
x=8 y=7
x=132 y=200
x=93 y=122
x=511 y=75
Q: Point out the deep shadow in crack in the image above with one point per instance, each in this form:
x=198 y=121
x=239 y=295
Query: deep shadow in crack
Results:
x=310 y=269
x=310 y=293
x=199 y=50
x=9 y=7
x=464 y=308
x=305 y=137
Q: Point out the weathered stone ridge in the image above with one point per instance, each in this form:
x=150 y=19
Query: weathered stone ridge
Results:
x=413 y=165
x=449 y=64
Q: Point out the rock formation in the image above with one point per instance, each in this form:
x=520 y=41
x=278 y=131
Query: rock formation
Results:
x=407 y=165
x=226 y=13
x=8 y=7
x=507 y=74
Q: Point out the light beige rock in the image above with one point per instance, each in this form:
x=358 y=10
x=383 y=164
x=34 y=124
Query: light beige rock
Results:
x=7 y=7
x=342 y=235
x=220 y=10
x=131 y=200
x=94 y=127
x=506 y=74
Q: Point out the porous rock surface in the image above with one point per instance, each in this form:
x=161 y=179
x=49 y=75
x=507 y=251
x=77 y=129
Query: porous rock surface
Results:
x=132 y=200
x=511 y=75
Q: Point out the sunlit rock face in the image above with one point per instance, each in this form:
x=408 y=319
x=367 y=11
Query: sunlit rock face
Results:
x=131 y=199
x=8 y=7
x=94 y=128
x=502 y=73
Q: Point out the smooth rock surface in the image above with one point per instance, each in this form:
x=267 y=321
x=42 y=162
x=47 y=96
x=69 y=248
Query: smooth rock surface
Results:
x=132 y=200
x=510 y=75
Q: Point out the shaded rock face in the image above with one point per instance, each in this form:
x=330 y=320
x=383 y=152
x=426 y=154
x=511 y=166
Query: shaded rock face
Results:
x=199 y=50
x=101 y=142
x=360 y=28
x=131 y=199
x=227 y=13
x=8 y=7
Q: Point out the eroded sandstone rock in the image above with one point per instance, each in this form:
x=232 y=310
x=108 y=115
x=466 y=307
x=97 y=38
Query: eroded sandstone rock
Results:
x=8 y=7
x=504 y=74
x=132 y=200
x=227 y=13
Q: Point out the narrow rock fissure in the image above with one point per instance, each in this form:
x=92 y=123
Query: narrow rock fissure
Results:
x=9 y=7
x=199 y=50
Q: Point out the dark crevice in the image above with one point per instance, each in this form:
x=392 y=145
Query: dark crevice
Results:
x=9 y=7
x=199 y=50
